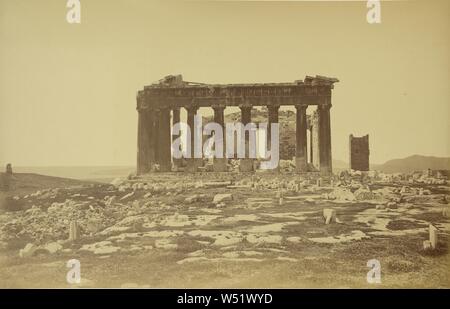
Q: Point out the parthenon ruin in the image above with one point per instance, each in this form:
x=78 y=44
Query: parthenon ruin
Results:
x=157 y=103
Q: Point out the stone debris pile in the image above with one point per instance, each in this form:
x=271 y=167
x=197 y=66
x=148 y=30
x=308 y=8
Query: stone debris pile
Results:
x=53 y=220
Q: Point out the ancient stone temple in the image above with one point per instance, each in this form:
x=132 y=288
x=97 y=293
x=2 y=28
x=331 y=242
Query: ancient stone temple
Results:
x=159 y=102
x=359 y=153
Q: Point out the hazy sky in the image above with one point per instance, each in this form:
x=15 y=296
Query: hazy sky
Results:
x=67 y=92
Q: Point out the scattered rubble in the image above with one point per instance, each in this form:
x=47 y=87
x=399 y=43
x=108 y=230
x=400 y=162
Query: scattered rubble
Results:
x=28 y=251
x=236 y=216
x=341 y=195
x=354 y=235
x=101 y=247
x=221 y=198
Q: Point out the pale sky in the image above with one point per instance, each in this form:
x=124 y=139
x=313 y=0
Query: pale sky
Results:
x=67 y=92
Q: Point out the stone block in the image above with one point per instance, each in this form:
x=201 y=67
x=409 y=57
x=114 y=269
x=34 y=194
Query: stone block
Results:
x=74 y=231
x=427 y=245
x=329 y=215
x=28 y=251
x=433 y=236
x=220 y=198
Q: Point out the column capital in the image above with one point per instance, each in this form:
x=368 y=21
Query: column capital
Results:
x=245 y=106
x=324 y=106
x=218 y=106
x=159 y=109
x=273 y=106
x=301 y=107
x=141 y=103
x=192 y=108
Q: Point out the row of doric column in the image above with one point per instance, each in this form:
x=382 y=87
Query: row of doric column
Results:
x=154 y=138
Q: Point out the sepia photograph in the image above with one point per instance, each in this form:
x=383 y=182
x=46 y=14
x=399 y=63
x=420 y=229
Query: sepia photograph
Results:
x=224 y=145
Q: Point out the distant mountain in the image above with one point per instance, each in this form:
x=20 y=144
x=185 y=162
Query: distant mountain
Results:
x=413 y=163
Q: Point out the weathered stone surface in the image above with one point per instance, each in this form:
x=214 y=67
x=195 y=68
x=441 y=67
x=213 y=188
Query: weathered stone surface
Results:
x=101 y=247
x=446 y=212
x=359 y=153
x=363 y=194
x=427 y=245
x=392 y=205
x=192 y=199
x=74 y=232
x=329 y=215
x=220 y=198
x=433 y=236
x=53 y=247
x=28 y=251
x=342 y=195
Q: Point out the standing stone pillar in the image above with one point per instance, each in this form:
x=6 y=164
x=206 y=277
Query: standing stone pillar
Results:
x=151 y=133
x=164 y=140
x=155 y=136
x=310 y=149
x=176 y=119
x=315 y=149
x=9 y=170
x=192 y=162
x=220 y=164
x=246 y=164
x=324 y=138
x=273 y=118
x=143 y=142
x=301 y=151
x=140 y=156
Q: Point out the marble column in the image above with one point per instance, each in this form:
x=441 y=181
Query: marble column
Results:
x=164 y=140
x=325 y=138
x=144 y=147
x=220 y=164
x=301 y=151
x=315 y=149
x=273 y=111
x=156 y=137
x=151 y=133
x=246 y=164
x=273 y=118
x=141 y=166
x=310 y=149
x=192 y=162
x=176 y=119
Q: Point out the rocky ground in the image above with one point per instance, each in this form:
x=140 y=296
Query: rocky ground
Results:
x=230 y=230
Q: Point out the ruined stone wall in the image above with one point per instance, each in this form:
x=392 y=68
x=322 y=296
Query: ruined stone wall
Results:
x=7 y=179
x=359 y=153
x=286 y=129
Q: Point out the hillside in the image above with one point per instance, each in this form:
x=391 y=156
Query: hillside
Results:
x=94 y=173
x=29 y=182
x=414 y=163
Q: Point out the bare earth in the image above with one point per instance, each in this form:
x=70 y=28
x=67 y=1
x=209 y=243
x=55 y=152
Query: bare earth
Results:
x=164 y=230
